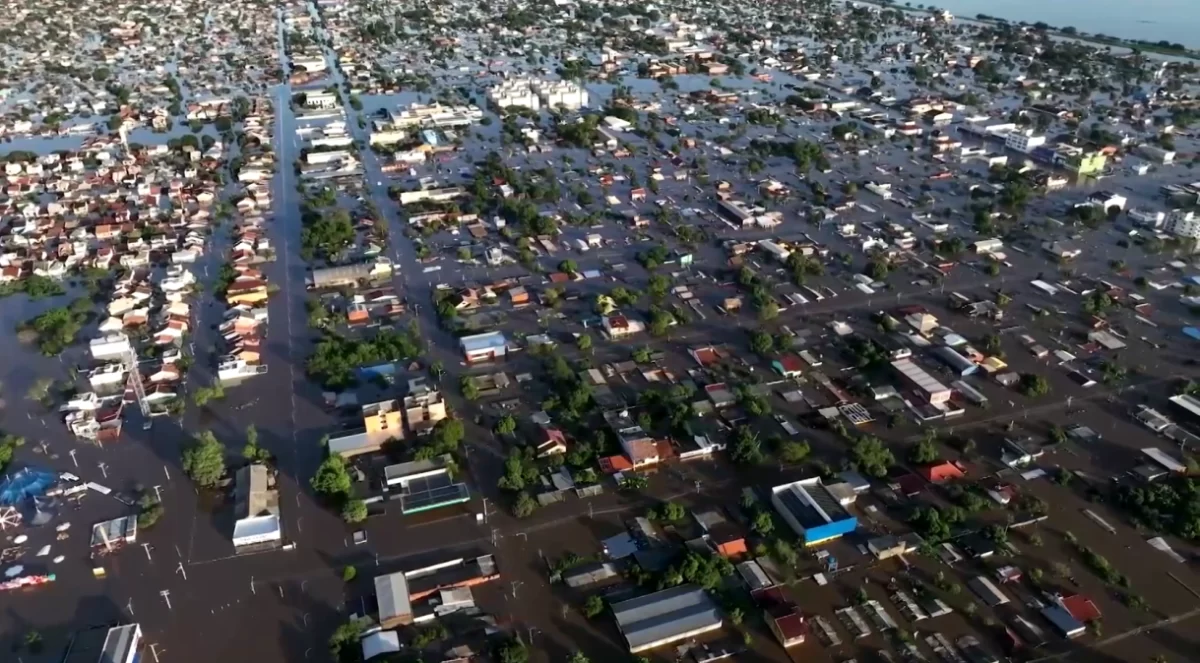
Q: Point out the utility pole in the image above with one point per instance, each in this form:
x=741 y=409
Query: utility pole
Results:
x=697 y=486
x=154 y=651
x=166 y=594
x=146 y=547
x=180 y=570
x=73 y=459
x=158 y=493
x=515 y=584
x=485 y=512
x=103 y=469
x=129 y=607
x=252 y=585
x=494 y=531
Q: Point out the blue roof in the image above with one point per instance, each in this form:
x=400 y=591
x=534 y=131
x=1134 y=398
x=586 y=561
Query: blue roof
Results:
x=490 y=340
x=383 y=370
x=1192 y=332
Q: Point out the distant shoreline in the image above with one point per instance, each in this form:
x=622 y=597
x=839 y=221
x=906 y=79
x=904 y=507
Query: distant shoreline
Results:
x=1105 y=40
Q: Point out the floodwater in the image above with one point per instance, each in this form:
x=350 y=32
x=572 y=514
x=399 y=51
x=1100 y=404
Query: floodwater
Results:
x=1176 y=21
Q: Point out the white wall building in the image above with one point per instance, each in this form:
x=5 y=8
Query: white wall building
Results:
x=517 y=92
x=561 y=93
x=1183 y=224
x=1023 y=141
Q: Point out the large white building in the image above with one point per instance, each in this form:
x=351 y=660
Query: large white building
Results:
x=517 y=92
x=1183 y=224
x=435 y=115
x=1024 y=141
x=561 y=93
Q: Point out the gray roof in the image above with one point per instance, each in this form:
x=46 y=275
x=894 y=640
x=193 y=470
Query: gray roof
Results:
x=392 y=592
x=589 y=574
x=342 y=273
x=663 y=616
x=119 y=642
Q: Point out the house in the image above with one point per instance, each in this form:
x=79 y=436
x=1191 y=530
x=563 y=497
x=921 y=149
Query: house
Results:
x=619 y=326
x=723 y=535
x=789 y=365
x=940 y=472
x=553 y=442
x=488 y=346
x=640 y=449
x=1062 y=250
x=787 y=624
x=423 y=408
x=382 y=423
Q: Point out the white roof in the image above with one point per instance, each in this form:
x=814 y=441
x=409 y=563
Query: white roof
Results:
x=257 y=529
x=918 y=375
x=392 y=592
x=380 y=642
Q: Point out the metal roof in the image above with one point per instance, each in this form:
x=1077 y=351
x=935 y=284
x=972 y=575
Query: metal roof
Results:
x=918 y=376
x=392 y=592
x=485 y=341
x=810 y=503
x=663 y=616
x=120 y=642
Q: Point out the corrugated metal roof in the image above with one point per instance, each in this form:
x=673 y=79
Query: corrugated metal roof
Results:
x=918 y=376
x=662 y=616
x=392 y=592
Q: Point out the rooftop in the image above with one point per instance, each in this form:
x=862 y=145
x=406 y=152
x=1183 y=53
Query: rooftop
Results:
x=665 y=616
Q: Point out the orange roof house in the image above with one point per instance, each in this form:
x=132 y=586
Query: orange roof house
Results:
x=940 y=472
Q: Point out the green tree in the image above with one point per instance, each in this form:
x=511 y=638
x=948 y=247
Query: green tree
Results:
x=448 y=434
x=871 y=456
x=924 y=453
x=332 y=477
x=349 y=573
x=354 y=511
x=507 y=425
x=1033 y=385
x=761 y=343
x=593 y=606
x=524 y=506
x=763 y=524
x=747 y=449
x=672 y=512
x=634 y=482
x=792 y=451
x=204 y=460
x=514 y=651
x=568 y=266
x=584 y=342
x=578 y=657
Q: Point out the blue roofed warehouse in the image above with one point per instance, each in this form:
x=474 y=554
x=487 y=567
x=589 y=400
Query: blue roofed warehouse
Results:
x=812 y=511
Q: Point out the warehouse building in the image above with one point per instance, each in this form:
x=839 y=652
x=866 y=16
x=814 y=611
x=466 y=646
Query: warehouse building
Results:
x=256 y=507
x=664 y=617
x=348 y=275
x=395 y=604
x=987 y=591
x=934 y=391
x=812 y=511
x=957 y=362
x=488 y=346
x=422 y=485
x=103 y=644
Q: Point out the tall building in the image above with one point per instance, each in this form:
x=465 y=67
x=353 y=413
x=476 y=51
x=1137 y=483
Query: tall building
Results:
x=1183 y=224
